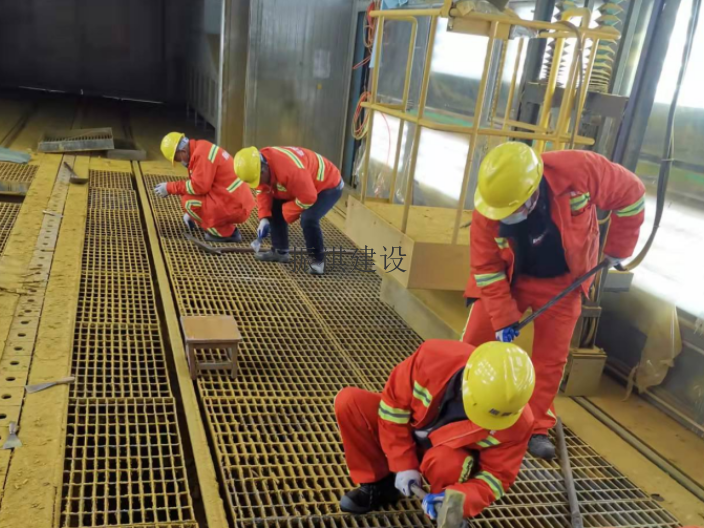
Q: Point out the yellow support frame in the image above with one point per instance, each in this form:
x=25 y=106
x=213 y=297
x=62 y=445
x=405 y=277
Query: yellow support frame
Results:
x=497 y=27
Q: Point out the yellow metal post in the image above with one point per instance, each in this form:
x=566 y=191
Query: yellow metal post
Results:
x=372 y=97
x=512 y=88
x=404 y=105
x=481 y=94
x=416 y=133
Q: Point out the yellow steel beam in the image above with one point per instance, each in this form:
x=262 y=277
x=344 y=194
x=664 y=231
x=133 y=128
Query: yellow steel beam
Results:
x=207 y=477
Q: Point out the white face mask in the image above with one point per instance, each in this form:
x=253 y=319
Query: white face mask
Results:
x=515 y=218
x=523 y=212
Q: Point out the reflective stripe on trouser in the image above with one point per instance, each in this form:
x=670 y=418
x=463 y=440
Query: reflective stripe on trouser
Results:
x=197 y=212
x=552 y=333
x=357 y=416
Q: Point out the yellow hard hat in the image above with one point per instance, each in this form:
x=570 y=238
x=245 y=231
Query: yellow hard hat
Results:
x=248 y=166
x=169 y=145
x=508 y=176
x=497 y=383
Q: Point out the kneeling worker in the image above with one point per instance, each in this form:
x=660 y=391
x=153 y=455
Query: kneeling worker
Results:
x=291 y=182
x=453 y=413
x=213 y=197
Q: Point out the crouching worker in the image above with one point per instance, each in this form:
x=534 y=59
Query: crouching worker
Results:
x=451 y=413
x=290 y=183
x=213 y=197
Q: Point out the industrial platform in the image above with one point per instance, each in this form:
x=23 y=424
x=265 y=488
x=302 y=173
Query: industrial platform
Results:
x=93 y=280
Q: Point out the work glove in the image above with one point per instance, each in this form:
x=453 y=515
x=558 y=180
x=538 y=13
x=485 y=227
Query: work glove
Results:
x=431 y=504
x=160 y=190
x=508 y=334
x=404 y=479
x=613 y=261
x=263 y=229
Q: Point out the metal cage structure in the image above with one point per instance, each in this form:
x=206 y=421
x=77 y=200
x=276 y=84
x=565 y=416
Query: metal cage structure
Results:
x=575 y=45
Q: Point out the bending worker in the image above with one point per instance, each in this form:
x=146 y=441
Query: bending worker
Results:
x=290 y=182
x=454 y=414
x=534 y=231
x=212 y=197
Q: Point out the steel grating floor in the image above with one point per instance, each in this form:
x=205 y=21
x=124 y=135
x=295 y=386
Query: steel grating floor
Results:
x=305 y=338
x=124 y=462
x=8 y=215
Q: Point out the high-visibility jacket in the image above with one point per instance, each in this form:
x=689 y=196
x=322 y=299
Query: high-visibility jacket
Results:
x=579 y=182
x=411 y=401
x=219 y=197
x=297 y=176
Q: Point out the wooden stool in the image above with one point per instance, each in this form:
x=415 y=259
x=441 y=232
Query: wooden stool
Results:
x=211 y=332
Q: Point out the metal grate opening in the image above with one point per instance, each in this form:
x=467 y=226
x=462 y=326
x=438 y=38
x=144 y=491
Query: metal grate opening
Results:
x=304 y=338
x=110 y=179
x=16 y=172
x=119 y=361
x=8 y=216
x=124 y=464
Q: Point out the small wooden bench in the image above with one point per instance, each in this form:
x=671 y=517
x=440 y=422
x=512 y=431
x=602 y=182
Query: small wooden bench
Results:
x=211 y=332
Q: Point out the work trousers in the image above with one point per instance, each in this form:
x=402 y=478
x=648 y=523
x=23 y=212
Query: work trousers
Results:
x=197 y=212
x=310 y=222
x=552 y=334
x=357 y=413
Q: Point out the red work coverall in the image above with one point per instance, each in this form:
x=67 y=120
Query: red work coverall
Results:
x=297 y=176
x=579 y=182
x=377 y=431
x=213 y=196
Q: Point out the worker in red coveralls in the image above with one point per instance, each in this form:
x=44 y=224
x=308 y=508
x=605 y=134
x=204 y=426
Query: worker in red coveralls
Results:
x=213 y=197
x=534 y=231
x=290 y=183
x=454 y=414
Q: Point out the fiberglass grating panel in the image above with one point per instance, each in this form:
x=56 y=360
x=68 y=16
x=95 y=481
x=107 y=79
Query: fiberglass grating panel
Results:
x=411 y=519
x=118 y=361
x=16 y=172
x=110 y=179
x=123 y=464
x=116 y=298
x=114 y=224
x=114 y=258
x=112 y=200
x=296 y=467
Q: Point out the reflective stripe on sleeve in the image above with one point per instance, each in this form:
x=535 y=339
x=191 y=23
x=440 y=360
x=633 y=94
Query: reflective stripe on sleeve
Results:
x=466 y=468
x=302 y=205
x=632 y=209
x=486 y=279
x=291 y=155
x=213 y=153
x=321 y=168
x=398 y=416
x=422 y=394
x=234 y=185
x=280 y=188
x=190 y=204
x=501 y=242
x=489 y=441
x=492 y=482
x=579 y=202
x=189 y=187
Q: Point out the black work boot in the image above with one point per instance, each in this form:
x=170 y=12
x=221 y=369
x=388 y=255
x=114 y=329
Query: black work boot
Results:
x=369 y=497
x=236 y=236
x=540 y=446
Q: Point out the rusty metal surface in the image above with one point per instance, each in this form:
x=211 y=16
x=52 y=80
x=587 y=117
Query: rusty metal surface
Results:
x=304 y=338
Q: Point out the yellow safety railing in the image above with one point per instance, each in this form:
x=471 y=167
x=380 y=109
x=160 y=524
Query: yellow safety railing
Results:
x=495 y=27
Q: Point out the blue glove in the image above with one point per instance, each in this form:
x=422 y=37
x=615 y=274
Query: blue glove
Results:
x=508 y=334
x=431 y=502
x=263 y=229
